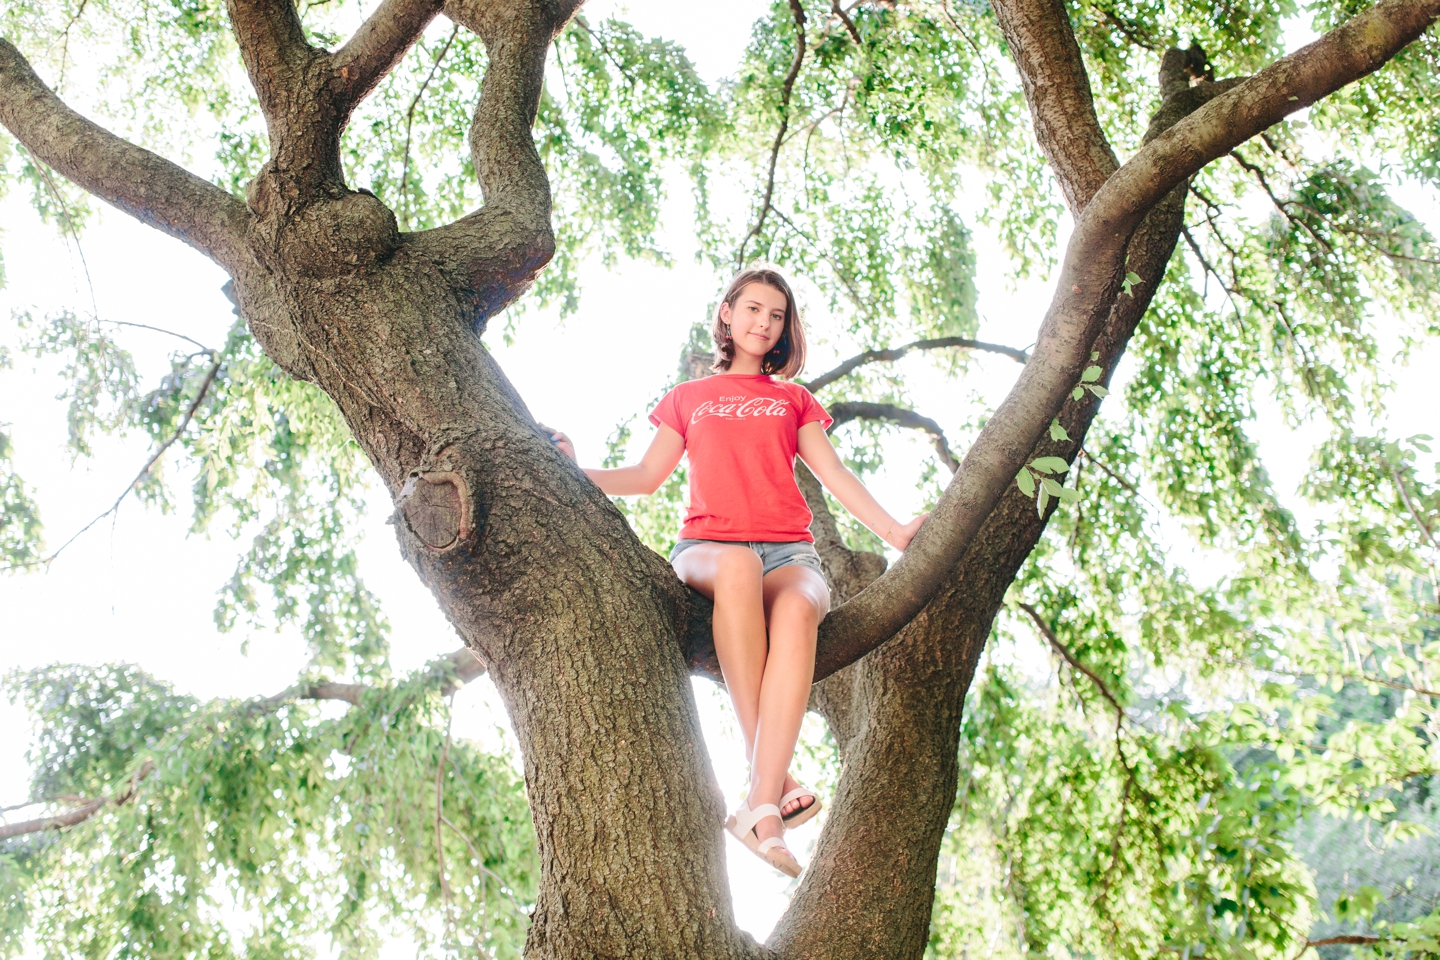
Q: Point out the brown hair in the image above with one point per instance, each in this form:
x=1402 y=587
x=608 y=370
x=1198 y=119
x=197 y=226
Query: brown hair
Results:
x=788 y=357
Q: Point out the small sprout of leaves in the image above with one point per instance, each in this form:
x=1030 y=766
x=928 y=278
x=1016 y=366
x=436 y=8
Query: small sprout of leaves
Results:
x=1128 y=285
x=1026 y=481
x=1050 y=465
x=1048 y=487
x=1087 y=381
x=1057 y=432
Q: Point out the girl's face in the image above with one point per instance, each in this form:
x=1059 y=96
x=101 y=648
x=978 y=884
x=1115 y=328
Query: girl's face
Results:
x=757 y=319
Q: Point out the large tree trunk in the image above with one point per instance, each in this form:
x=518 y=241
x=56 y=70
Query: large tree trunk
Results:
x=573 y=617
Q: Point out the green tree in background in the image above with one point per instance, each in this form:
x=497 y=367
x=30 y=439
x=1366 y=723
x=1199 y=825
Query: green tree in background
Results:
x=1240 y=769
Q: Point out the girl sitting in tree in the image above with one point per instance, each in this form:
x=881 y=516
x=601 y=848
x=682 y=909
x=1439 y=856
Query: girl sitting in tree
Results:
x=746 y=541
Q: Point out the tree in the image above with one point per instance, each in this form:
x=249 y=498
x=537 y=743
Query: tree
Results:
x=585 y=630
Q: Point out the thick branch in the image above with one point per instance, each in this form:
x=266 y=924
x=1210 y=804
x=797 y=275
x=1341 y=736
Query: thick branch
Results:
x=1089 y=283
x=493 y=254
x=895 y=353
x=272 y=44
x=1058 y=90
x=846 y=411
x=378 y=46
x=144 y=185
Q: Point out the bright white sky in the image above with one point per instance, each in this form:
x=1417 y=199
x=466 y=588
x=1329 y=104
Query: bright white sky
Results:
x=141 y=590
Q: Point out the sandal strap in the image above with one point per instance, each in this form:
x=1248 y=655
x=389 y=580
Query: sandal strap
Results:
x=746 y=818
x=767 y=845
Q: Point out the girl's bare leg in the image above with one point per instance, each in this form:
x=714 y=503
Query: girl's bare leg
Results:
x=730 y=576
x=795 y=599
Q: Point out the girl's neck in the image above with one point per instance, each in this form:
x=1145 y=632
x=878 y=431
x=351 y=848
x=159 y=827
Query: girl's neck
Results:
x=744 y=365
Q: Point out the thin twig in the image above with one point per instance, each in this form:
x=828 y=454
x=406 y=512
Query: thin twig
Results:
x=480 y=864
x=798 y=11
x=409 y=121
x=1414 y=511
x=145 y=326
x=445 y=897
x=69 y=220
x=1115 y=476
x=1070 y=658
x=144 y=471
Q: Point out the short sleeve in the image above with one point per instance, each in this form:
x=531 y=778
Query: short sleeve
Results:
x=811 y=411
x=667 y=412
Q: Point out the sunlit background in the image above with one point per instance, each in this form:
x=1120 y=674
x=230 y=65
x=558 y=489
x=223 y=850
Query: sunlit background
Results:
x=138 y=588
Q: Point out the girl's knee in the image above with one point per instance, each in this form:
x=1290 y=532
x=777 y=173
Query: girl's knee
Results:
x=800 y=605
x=738 y=568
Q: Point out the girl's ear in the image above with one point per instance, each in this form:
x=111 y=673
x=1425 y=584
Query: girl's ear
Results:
x=724 y=312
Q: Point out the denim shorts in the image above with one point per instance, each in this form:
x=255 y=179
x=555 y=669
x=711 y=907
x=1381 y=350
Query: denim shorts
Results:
x=773 y=555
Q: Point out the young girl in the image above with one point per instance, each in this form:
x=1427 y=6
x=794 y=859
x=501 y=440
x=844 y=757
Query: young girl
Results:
x=746 y=542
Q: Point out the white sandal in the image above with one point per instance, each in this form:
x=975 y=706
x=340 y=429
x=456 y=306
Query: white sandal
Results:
x=742 y=826
x=804 y=814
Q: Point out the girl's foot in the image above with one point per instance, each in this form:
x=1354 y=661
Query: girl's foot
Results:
x=802 y=802
x=760 y=830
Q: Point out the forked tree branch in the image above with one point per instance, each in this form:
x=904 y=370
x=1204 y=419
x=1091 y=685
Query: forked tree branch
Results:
x=895 y=353
x=148 y=187
x=378 y=46
x=493 y=254
x=848 y=410
x=1089 y=282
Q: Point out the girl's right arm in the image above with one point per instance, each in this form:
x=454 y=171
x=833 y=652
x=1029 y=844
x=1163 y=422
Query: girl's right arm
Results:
x=644 y=477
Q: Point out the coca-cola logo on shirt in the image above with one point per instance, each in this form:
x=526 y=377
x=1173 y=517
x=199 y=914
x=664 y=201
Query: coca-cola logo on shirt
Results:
x=733 y=408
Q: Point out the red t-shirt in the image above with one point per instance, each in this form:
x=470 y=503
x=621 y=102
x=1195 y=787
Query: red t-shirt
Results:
x=742 y=433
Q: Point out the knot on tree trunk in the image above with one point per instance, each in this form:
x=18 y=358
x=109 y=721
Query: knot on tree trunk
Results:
x=436 y=508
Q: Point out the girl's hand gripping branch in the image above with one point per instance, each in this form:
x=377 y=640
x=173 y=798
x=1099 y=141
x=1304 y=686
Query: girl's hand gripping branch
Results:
x=643 y=478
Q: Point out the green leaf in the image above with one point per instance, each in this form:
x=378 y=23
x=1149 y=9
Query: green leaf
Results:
x=1127 y=286
x=1069 y=494
x=1091 y=373
x=1057 y=432
x=1026 y=482
x=1042 y=501
x=1096 y=389
x=1050 y=465
x=1050 y=487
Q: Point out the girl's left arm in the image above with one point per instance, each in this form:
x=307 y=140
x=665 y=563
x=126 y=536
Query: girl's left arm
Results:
x=819 y=455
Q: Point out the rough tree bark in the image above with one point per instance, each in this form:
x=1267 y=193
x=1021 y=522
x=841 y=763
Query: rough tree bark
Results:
x=581 y=626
